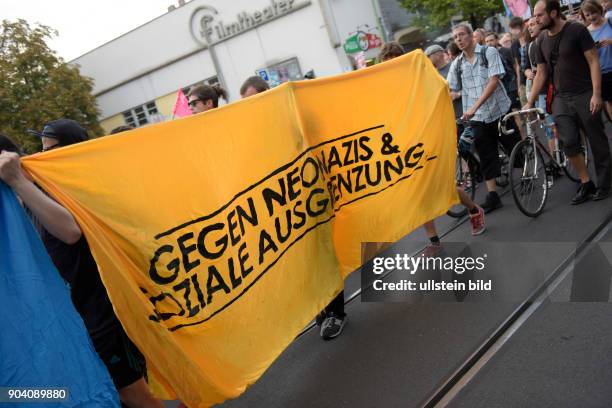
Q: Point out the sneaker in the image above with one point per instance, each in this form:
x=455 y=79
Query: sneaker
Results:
x=491 y=203
x=478 y=222
x=601 y=194
x=585 y=191
x=432 y=249
x=332 y=326
x=320 y=318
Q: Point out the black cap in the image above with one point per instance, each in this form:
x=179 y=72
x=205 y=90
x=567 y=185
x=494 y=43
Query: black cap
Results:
x=310 y=75
x=8 y=145
x=66 y=131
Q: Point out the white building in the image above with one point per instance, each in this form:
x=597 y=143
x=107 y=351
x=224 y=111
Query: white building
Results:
x=137 y=75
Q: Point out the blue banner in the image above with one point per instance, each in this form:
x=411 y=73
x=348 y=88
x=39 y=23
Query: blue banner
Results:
x=46 y=355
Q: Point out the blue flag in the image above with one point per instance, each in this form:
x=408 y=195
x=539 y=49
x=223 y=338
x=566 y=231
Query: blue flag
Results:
x=43 y=341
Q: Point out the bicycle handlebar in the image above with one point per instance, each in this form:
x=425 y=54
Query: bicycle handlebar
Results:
x=502 y=123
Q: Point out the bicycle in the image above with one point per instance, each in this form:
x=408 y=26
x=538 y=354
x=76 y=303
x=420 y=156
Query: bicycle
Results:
x=530 y=175
x=468 y=174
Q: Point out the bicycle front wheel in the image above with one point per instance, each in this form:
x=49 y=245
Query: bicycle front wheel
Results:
x=528 y=178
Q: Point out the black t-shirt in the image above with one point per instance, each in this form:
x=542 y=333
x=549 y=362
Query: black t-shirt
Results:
x=571 y=75
x=78 y=268
x=509 y=79
x=515 y=48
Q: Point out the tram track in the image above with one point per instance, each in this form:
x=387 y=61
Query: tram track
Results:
x=486 y=350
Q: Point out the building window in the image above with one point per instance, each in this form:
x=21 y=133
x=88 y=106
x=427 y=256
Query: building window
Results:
x=282 y=72
x=141 y=115
x=209 y=81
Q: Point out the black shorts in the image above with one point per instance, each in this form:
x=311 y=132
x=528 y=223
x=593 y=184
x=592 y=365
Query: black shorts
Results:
x=125 y=363
x=606 y=86
x=572 y=114
x=515 y=101
x=485 y=141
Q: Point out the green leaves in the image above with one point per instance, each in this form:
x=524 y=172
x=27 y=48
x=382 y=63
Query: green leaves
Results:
x=37 y=86
x=436 y=14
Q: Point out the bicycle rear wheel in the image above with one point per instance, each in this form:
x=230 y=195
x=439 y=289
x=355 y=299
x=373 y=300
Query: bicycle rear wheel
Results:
x=464 y=180
x=528 y=178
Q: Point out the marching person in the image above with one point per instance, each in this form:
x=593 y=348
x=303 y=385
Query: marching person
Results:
x=567 y=58
x=476 y=73
x=252 y=86
x=601 y=31
x=205 y=97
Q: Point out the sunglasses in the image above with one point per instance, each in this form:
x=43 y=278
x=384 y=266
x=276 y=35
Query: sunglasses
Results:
x=194 y=102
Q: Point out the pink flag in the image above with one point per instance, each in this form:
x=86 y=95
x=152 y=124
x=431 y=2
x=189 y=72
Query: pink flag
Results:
x=181 y=106
x=360 y=60
x=518 y=8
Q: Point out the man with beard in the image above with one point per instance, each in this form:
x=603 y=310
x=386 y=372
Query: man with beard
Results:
x=567 y=58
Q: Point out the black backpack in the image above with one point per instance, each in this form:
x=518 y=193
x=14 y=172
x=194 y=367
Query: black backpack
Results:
x=510 y=75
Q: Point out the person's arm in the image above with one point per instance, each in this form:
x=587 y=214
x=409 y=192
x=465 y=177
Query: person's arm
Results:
x=53 y=217
x=516 y=59
x=529 y=70
x=488 y=91
x=517 y=70
x=541 y=76
x=539 y=81
x=593 y=60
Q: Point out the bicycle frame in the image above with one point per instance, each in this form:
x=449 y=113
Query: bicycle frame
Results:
x=531 y=136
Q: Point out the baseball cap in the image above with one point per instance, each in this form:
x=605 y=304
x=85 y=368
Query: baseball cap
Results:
x=432 y=49
x=66 y=131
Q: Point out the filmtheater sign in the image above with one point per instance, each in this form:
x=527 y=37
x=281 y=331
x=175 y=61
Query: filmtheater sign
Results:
x=208 y=28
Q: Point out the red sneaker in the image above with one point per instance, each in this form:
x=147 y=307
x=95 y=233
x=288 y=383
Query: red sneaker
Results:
x=478 y=222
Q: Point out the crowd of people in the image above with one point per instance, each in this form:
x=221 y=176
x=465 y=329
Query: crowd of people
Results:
x=560 y=64
x=547 y=61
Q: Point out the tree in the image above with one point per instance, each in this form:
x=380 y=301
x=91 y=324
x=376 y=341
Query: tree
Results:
x=435 y=14
x=37 y=86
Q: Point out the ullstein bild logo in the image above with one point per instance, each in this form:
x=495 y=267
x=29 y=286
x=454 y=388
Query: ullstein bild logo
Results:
x=207 y=28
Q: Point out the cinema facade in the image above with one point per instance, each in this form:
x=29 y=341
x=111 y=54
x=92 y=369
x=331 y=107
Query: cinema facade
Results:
x=137 y=75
